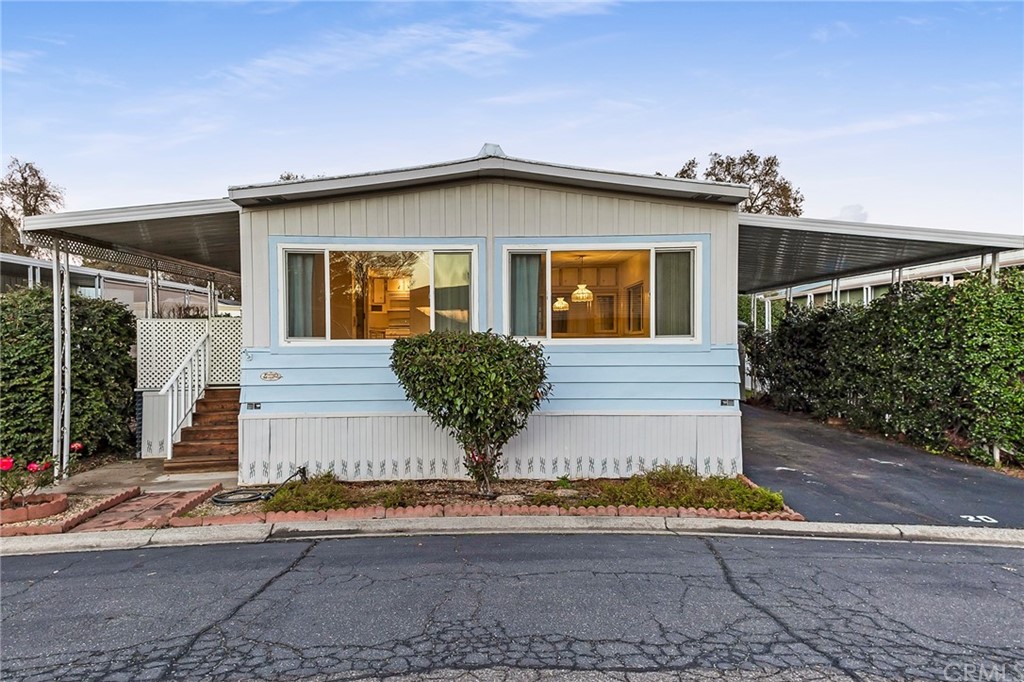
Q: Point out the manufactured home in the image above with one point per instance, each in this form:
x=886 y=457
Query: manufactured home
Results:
x=629 y=281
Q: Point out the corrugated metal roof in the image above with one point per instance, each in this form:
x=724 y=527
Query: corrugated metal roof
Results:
x=203 y=233
x=777 y=252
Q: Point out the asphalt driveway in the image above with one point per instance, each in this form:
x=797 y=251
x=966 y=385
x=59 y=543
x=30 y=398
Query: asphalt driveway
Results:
x=829 y=474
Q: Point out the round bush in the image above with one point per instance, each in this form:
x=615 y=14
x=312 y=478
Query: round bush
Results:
x=480 y=387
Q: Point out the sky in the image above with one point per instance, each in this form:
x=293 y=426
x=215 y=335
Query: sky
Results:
x=898 y=113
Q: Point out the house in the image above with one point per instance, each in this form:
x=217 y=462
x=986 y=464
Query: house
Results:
x=630 y=282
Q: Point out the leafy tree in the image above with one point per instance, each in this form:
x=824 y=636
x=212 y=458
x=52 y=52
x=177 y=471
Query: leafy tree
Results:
x=770 y=192
x=24 y=191
x=480 y=387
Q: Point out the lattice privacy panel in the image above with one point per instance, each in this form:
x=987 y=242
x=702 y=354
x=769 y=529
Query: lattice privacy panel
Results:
x=162 y=344
x=226 y=350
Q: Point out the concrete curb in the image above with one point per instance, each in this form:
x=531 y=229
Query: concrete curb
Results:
x=654 y=525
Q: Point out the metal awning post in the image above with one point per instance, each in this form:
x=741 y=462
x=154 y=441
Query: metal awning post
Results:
x=993 y=273
x=211 y=300
x=767 y=314
x=753 y=311
x=61 y=442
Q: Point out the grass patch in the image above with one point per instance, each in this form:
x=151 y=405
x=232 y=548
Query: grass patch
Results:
x=325 y=492
x=676 y=486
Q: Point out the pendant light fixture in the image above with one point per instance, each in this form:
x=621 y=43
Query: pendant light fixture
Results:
x=582 y=293
x=560 y=305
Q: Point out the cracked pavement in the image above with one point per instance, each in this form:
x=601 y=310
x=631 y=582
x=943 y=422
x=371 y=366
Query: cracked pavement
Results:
x=517 y=607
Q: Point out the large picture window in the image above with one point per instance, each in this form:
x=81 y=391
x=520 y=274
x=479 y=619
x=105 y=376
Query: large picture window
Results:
x=603 y=293
x=348 y=295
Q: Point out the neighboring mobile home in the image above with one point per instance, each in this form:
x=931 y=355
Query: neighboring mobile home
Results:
x=629 y=281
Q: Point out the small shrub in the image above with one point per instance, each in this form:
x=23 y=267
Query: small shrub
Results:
x=398 y=495
x=481 y=388
x=545 y=500
x=325 y=492
x=320 y=493
x=676 y=486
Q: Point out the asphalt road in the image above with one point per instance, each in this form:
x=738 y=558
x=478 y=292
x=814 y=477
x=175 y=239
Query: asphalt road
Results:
x=517 y=607
x=828 y=474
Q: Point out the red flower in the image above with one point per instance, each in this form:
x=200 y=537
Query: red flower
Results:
x=47 y=465
x=33 y=467
x=76 y=447
x=6 y=463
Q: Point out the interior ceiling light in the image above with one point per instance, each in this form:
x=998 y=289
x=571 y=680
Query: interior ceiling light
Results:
x=582 y=293
x=560 y=305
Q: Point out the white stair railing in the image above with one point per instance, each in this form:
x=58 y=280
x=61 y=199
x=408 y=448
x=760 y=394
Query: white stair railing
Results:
x=185 y=386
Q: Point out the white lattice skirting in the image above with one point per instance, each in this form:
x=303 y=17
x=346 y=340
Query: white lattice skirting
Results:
x=163 y=344
x=410 y=447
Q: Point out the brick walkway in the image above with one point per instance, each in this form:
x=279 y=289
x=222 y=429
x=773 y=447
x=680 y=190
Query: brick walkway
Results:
x=138 y=512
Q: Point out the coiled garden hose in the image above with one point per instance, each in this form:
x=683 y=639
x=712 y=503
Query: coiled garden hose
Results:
x=245 y=495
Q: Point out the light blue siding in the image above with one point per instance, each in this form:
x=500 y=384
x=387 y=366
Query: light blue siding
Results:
x=585 y=378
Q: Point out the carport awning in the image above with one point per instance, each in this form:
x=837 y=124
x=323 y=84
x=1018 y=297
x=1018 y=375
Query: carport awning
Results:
x=774 y=252
x=188 y=235
x=777 y=252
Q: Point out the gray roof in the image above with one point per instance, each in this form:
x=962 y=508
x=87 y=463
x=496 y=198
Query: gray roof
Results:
x=774 y=252
x=491 y=162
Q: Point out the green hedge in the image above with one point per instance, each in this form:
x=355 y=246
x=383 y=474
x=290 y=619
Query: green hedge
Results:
x=942 y=367
x=102 y=373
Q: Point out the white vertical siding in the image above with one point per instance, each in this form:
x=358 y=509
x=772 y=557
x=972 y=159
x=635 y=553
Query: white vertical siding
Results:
x=410 y=447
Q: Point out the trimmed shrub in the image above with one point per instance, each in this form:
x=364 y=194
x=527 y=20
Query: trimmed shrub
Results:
x=941 y=367
x=481 y=388
x=102 y=373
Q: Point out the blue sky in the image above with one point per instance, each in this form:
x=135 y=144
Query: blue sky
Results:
x=904 y=113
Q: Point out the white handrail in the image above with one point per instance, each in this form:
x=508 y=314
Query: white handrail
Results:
x=185 y=386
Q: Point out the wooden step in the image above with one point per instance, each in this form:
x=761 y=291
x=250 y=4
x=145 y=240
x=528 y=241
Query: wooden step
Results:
x=198 y=465
x=204 y=406
x=215 y=419
x=209 y=432
x=219 y=448
x=223 y=393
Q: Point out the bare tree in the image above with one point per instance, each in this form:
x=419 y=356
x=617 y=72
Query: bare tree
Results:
x=770 y=192
x=24 y=191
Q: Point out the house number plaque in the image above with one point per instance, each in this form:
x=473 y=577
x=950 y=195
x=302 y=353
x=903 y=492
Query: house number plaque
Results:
x=270 y=376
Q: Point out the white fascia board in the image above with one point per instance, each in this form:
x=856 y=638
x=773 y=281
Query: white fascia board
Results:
x=927 y=234
x=486 y=167
x=128 y=214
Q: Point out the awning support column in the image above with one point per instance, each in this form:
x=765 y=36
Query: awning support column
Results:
x=993 y=273
x=61 y=445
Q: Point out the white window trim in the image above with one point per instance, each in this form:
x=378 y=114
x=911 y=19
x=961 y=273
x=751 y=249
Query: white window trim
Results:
x=325 y=248
x=695 y=247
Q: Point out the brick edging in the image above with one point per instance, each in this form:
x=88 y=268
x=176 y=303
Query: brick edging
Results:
x=467 y=510
x=71 y=522
x=185 y=506
x=39 y=506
